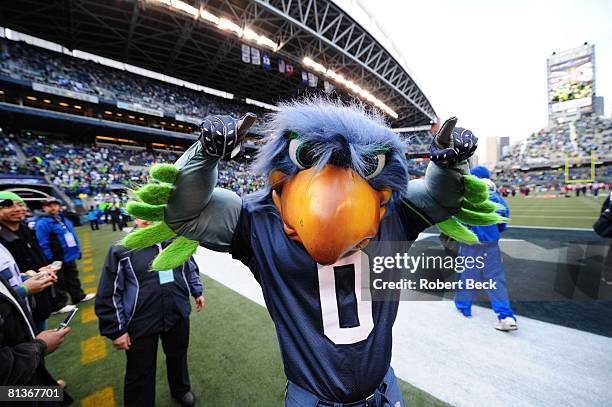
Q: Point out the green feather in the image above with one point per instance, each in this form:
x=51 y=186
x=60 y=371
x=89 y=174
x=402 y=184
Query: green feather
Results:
x=154 y=194
x=177 y=253
x=476 y=190
x=486 y=206
x=457 y=231
x=479 y=218
x=145 y=211
x=164 y=173
x=141 y=238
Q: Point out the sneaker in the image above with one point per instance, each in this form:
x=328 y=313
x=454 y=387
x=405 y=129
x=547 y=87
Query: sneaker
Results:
x=65 y=309
x=506 y=324
x=88 y=297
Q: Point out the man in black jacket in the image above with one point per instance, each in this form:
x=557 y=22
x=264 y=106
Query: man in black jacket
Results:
x=22 y=354
x=20 y=242
x=137 y=307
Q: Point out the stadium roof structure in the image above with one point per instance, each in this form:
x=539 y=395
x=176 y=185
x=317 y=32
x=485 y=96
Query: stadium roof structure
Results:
x=200 y=41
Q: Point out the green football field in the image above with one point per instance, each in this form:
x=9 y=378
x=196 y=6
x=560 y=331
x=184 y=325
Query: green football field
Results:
x=234 y=358
x=570 y=212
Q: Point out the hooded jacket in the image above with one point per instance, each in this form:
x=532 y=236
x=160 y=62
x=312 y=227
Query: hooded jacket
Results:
x=53 y=237
x=132 y=299
x=490 y=233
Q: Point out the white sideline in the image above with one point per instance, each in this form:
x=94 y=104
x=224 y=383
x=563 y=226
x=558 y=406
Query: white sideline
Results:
x=465 y=362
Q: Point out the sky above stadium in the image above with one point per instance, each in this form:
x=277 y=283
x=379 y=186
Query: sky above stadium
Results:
x=485 y=61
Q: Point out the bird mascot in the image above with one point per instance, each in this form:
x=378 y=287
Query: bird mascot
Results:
x=337 y=182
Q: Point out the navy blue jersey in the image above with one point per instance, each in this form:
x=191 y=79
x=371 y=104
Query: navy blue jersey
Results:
x=332 y=343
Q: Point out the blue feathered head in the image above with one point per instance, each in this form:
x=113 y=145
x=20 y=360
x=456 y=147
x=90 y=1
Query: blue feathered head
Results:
x=332 y=170
x=316 y=132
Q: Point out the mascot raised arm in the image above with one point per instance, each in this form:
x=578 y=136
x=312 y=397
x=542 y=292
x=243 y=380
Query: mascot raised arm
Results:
x=337 y=182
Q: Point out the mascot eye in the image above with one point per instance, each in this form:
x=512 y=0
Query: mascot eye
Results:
x=374 y=164
x=301 y=153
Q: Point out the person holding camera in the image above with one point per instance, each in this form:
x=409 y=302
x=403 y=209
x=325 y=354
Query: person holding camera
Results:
x=22 y=352
x=38 y=276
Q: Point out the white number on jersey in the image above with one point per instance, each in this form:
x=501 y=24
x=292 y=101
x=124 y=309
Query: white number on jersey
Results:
x=329 y=302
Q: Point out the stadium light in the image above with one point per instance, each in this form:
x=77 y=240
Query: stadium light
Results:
x=187 y=8
x=31 y=98
x=221 y=23
x=225 y=24
x=46 y=101
x=208 y=16
x=353 y=87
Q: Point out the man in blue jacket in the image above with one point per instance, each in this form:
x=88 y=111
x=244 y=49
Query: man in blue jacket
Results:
x=137 y=307
x=56 y=236
x=492 y=270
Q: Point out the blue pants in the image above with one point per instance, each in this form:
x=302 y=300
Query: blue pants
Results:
x=387 y=395
x=493 y=270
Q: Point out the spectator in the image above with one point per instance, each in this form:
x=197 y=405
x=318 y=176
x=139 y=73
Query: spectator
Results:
x=136 y=308
x=493 y=269
x=17 y=238
x=115 y=214
x=22 y=353
x=59 y=241
x=92 y=217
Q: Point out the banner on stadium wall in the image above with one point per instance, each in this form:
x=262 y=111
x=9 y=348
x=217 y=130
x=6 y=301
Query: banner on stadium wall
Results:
x=304 y=78
x=289 y=69
x=255 y=56
x=281 y=65
x=189 y=119
x=266 y=61
x=329 y=88
x=136 y=107
x=246 y=54
x=39 y=87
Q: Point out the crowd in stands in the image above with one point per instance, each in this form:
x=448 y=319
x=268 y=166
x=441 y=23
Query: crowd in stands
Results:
x=26 y=62
x=551 y=145
x=552 y=179
x=92 y=170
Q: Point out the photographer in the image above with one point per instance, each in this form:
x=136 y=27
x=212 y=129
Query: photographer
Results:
x=22 y=354
x=17 y=238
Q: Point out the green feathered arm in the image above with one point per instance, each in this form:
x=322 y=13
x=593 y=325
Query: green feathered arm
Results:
x=476 y=210
x=152 y=199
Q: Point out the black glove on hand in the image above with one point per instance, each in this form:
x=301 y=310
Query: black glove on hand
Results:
x=452 y=144
x=221 y=136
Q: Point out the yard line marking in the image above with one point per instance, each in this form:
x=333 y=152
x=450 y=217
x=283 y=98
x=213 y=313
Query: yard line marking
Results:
x=87 y=268
x=92 y=349
x=102 y=398
x=87 y=261
x=552 y=217
x=90 y=290
x=88 y=314
x=550 y=227
x=88 y=278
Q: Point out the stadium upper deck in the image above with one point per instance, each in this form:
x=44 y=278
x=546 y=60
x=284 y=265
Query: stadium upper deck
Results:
x=202 y=42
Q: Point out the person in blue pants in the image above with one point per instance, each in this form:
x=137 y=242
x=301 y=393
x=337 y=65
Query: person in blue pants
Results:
x=490 y=269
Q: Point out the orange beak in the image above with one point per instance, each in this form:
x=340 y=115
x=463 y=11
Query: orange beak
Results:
x=330 y=212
